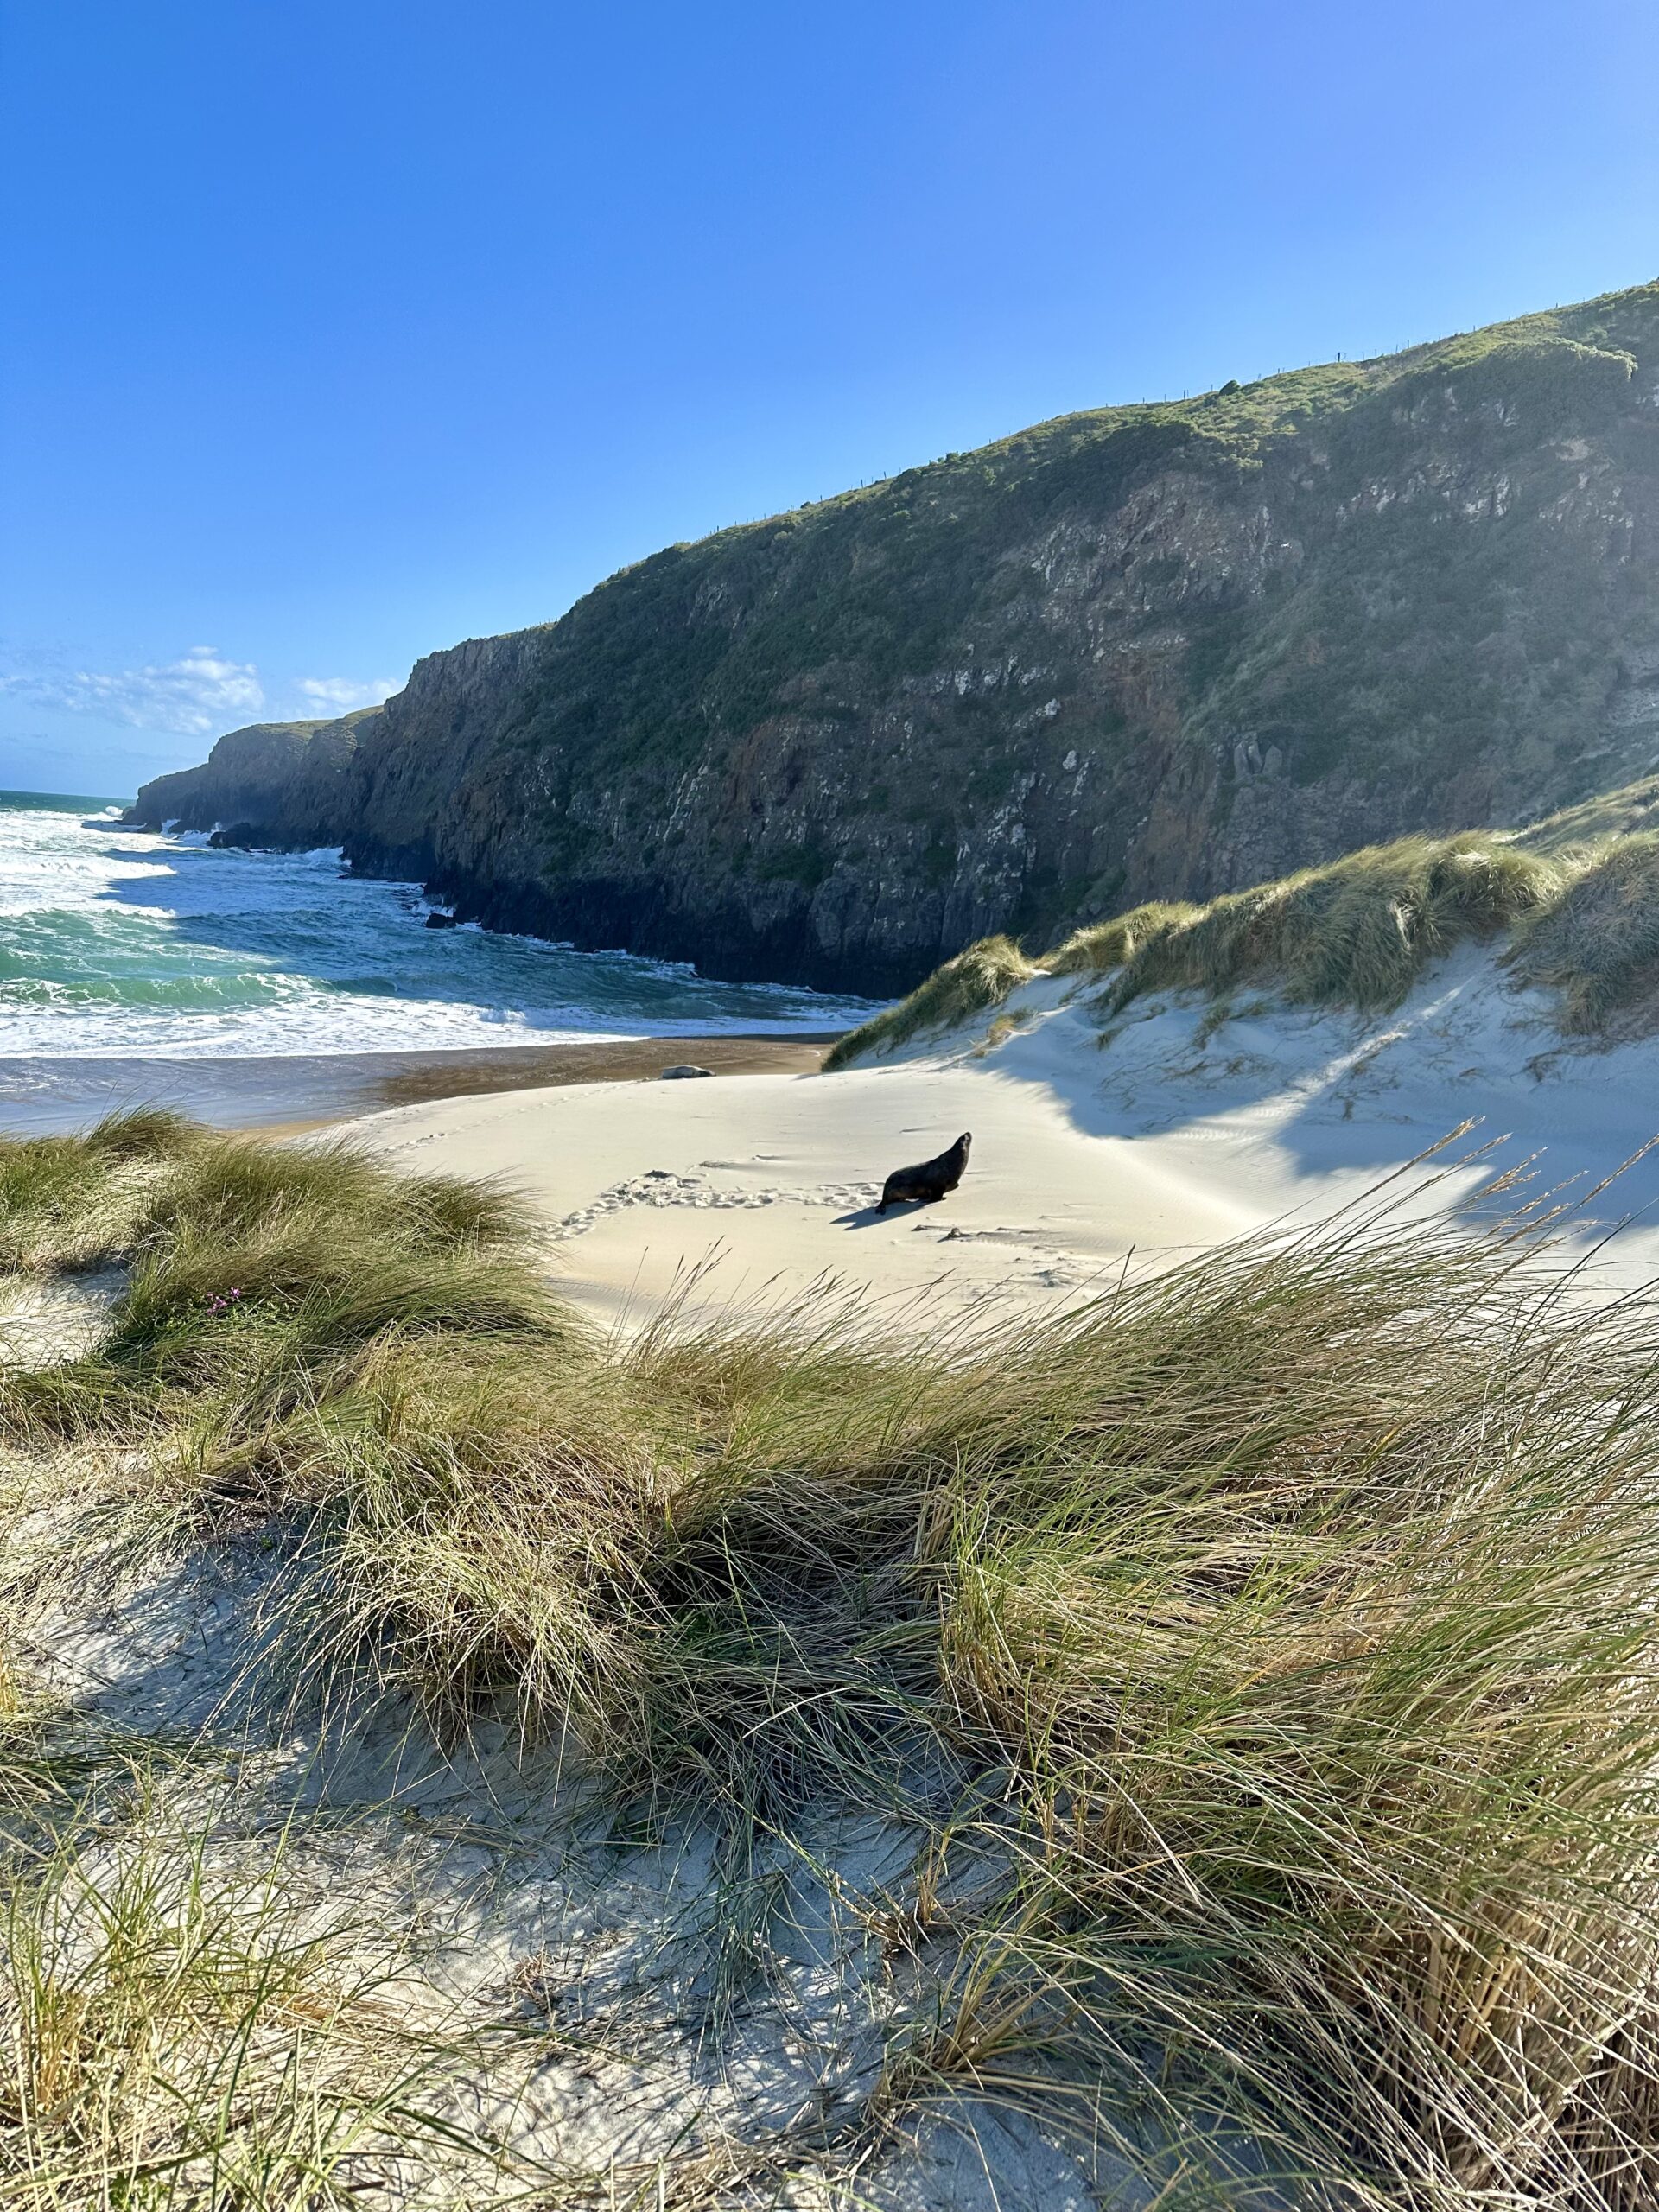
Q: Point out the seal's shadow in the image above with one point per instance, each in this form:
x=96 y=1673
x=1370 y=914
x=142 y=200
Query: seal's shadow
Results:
x=872 y=1216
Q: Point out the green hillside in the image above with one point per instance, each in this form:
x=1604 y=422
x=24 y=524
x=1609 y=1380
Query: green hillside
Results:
x=1159 y=652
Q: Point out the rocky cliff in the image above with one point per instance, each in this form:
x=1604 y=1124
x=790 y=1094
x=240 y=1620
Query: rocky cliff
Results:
x=1153 y=651
x=273 y=784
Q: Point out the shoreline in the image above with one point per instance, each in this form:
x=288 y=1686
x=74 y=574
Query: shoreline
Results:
x=282 y=1095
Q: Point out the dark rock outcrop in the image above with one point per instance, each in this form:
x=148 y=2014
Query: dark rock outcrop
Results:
x=1160 y=650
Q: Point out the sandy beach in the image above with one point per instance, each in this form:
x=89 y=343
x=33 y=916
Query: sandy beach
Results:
x=1185 y=1132
x=1192 y=1127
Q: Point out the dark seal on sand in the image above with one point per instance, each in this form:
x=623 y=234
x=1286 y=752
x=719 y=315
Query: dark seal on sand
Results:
x=930 y=1181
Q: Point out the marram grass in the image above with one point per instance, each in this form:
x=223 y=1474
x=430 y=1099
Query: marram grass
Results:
x=1358 y=932
x=186 y=2037
x=1597 y=946
x=1267 y=1656
x=973 y=982
x=1580 y=920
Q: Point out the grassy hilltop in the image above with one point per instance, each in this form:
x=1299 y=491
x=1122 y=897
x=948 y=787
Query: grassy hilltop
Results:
x=1156 y=652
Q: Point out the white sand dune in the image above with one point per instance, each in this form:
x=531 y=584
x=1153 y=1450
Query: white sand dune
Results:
x=1182 y=1126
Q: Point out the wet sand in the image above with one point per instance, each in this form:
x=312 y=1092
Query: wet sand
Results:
x=284 y=1094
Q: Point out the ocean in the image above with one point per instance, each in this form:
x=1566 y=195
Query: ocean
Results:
x=120 y=947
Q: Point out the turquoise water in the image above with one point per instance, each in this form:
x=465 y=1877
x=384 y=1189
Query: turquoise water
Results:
x=115 y=944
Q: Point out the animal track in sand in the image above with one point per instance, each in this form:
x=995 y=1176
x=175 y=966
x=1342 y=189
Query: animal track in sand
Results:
x=658 y=1187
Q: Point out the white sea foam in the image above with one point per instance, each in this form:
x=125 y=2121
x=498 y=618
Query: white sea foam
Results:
x=115 y=943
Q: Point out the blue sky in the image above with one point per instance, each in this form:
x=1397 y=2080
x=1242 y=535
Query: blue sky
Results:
x=338 y=330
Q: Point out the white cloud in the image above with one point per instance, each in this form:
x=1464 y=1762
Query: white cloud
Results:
x=199 y=693
x=341 y=693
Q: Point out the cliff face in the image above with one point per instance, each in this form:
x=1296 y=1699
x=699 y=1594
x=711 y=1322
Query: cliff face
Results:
x=273 y=784
x=1161 y=650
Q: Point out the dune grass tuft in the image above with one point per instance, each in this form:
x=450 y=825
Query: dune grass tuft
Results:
x=76 y=1202
x=1303 y=1602
x=1598 y=944
x=247 y=1265
x=1277 y=1641
x=1358 y=932
x=1579 y=919
x=979 y=978
x=181 y=2039
x=304 y=1334
x=1111 y=944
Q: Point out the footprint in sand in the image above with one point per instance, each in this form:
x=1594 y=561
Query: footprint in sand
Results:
x=659 y=1187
